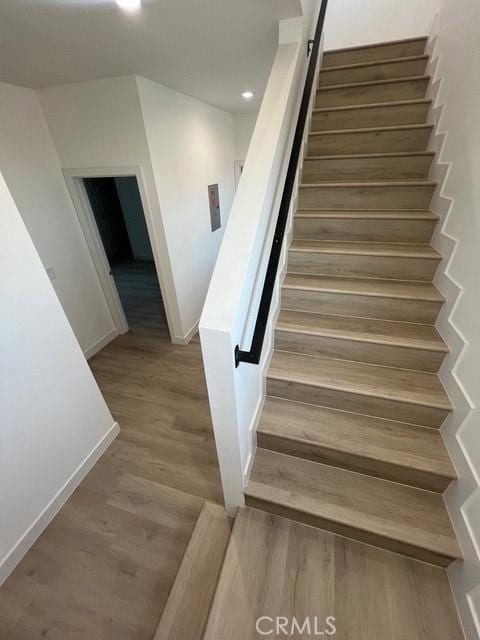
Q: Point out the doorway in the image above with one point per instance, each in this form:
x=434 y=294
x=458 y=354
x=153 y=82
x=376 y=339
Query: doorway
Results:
x=118 y=214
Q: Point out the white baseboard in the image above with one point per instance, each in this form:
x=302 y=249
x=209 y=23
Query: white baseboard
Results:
x=184 y=340
x=13 y=557
x=99 y=344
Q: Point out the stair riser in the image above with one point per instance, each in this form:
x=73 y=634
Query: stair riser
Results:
x=362 y=266
x=355 y=403
x=197 y=577
x=371 y=94
x=411 y=167
x=424 y=312
x=384 y=116
x=351 y=142
x=374 y=353
x=378 y=468
x=383 y=71
x=366 y=197
x=388 y=51
x=419 y=231
x=350 y=532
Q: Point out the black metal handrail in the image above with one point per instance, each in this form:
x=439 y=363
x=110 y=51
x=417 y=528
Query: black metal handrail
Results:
x=253 y=355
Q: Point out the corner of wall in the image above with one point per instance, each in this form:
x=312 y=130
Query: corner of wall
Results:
x=15 y=555
x=99 y=344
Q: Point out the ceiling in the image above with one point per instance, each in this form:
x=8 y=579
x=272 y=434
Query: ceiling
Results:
x=210 y=49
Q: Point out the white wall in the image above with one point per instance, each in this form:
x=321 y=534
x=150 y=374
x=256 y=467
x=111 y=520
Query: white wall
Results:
x=31 y=168
x=456 y=59
x=236 y=395
x=99 y=124
x=54 y=423
x=243 y=126
x=134 y=217
x=191 y=146
x=181 y=146
x=350 y=22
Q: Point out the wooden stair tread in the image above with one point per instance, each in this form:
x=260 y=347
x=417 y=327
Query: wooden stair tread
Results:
x=374 y=45
x=188 y=604
x=387 y=249
x=369 y=183
x=375 y=438
x=372 y=105
x=401 y=289
x=394 y=154
x=373 y=63
x=367 y=214
x=276 y=567
x=404 y=334
x=405 y=514
x=348 y=440
x=361 y=379
x=363 y=130
x=354 y=85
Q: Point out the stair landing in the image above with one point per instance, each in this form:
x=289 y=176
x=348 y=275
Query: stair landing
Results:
x=278 y=568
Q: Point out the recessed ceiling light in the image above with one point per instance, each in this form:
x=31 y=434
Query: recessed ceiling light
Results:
x=248 y=95
x=129 y=5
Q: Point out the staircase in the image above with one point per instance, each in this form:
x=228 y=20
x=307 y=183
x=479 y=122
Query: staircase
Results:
x=349 y=438
x=348 y=441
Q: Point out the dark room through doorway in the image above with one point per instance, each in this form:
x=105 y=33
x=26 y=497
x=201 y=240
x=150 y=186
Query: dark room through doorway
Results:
x=120 y=219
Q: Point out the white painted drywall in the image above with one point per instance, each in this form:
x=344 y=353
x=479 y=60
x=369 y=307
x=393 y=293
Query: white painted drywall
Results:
x=99 y=124
x=54 y=422
x=31 y=168
x=134 y=218
x=191 y=147
x=350 y=22
x=236 y=395
x=243 y=126
x=456 y=91
x=181 y=145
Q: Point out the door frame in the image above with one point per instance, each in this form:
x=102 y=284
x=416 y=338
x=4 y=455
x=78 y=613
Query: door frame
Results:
x=74 y=179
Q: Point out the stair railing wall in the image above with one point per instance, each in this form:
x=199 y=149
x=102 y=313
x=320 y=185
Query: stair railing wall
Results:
x=236 y=395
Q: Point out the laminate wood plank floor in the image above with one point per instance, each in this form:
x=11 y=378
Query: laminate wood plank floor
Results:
x=139 y=291
x=278 y=568
x=104 y=567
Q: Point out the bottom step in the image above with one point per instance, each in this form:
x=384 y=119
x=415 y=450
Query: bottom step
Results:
x=403 y=519
x=281 y=572
x=188 y=604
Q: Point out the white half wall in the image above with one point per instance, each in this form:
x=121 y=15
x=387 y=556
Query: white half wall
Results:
x=54 y=423
x=31 y=169
x=236 y=395
x=191 y=147
x=350 y=23
x=455 y=50
x=243 y=126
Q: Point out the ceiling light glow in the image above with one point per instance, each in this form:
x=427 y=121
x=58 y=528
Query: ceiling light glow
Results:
x=129 y=5
x=248 y=95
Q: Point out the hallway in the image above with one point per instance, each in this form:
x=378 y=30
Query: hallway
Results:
x=105 y=565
